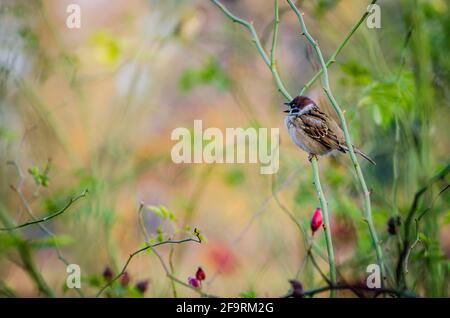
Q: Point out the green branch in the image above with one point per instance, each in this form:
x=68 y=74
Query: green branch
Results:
x=333 y=57
x=326 y=223
x=151 y=247
x=360 y=176
x=270 y=62
x=273 y=64
x=45 y=219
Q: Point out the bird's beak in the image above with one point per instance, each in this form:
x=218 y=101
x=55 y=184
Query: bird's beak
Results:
x=288 y=104
x=286 y=111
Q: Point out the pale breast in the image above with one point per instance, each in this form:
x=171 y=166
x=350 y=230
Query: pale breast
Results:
x=302 y=140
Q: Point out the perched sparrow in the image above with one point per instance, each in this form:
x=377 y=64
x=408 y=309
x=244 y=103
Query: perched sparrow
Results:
x=314 y=131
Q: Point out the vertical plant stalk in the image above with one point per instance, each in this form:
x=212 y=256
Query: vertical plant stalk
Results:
x=360 y=176
x=395 y=168
x=271 y=63
x=314 y=165
x=326 y=223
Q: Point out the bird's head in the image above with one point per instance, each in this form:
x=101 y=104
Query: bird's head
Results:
x=299 y=105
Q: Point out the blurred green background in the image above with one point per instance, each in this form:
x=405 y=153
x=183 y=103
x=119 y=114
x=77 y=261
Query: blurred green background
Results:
x=94 y=108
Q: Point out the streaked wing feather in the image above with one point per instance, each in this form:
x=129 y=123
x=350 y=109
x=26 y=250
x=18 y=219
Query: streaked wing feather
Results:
x=315 y=125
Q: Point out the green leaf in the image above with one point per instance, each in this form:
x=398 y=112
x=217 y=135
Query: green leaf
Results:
x=209 y=73
x=7 y=134
x=40 y=178
x=248 y=294
x=357 y=73
x=29 y=37
x=162 y=211
x=9 y=241
x=388 y=97
x=106 y=47
x=447 y=217
x=234 y=176
x=422 y=237
x=159 y=234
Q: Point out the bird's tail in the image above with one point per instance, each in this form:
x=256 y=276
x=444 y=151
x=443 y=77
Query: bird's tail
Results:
x=362 y=154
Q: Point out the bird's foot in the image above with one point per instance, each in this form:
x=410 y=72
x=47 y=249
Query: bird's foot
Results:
x=311 y=156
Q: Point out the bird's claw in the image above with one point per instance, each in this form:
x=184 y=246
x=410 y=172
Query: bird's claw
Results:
x=311 y=156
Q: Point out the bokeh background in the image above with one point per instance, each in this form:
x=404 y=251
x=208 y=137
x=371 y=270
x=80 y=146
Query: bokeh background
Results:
x=95 y=107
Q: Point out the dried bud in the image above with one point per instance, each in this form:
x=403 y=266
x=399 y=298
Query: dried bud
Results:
x=194 y=282
x=393 y=224
x=108 y=273
x=125 y=279
x=200 y=275
x=297 y=288
x=142 y=286
x=316 y=220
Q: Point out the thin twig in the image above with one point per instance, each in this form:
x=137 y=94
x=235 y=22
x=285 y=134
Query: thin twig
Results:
x=273 y=65
x=26 y=256
x=377 y=291
x=172 y=272
x=417 y=222
x=47 y=218
x=407 y=225
x=326 y=223
x=255 y=39
x=28 y=209
x=47 y=231
x=333 y=57
x=151 y=247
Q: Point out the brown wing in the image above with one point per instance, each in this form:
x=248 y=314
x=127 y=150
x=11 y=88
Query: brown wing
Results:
x=316 y=124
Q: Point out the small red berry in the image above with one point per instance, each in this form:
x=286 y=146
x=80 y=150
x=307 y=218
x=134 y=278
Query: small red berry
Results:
x=200 y=274
x=297 y=288
x=125 y=279
x=194 y=282
x=316 y=220
x=108 y=273
x=393 y=225
x=142 y=286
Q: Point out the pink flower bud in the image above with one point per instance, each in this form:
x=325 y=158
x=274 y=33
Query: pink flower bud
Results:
x=316 y=220
x=194 y=282
x=200 y=275
x=125 y=279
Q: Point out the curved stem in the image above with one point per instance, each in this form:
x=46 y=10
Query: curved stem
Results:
x=47 y=218
x=255 y=39
x=326 y=223
x=152 y=247
x=360 y=176
x=333 y=57
x=273 y=64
